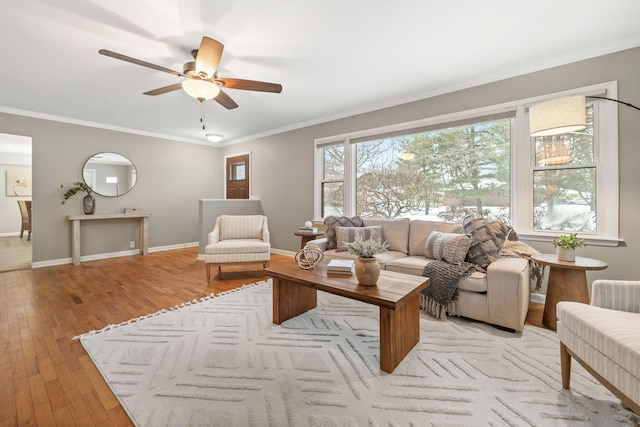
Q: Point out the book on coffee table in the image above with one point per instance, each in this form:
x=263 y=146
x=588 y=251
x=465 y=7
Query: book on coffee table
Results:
x=341 y=266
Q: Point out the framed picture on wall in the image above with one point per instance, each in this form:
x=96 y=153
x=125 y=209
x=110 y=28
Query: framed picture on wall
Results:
x=19 y=183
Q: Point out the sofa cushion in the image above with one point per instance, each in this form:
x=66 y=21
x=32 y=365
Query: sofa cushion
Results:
x=413 y=265
x=241 y=227
x=450 y=247
x=382 y=258
x=475 y=282
x=346 y=235
x=331 y=222
x=487 y=238
x=394 y=230
x=420 y=230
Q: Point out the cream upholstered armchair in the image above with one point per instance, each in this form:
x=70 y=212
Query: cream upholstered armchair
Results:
x=238 y=239
x=603 y=337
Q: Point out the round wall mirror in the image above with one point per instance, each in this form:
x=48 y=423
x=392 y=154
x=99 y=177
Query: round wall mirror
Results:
x=109 y=174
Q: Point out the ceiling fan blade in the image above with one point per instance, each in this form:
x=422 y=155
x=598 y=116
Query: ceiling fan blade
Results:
x=225 y=100
x=139 y=62
x=208 y=57
x=165 y=89
x=250 y=85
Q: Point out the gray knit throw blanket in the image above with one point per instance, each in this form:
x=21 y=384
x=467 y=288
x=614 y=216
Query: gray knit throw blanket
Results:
x=439 y=297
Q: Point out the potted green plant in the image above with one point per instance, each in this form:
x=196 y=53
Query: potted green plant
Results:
x=566 y=246
x=367 y=268
x=88 y=202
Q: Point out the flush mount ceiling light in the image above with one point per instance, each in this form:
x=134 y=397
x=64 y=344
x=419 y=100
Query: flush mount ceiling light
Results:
x=201 y=89
x=558 y=116
x=213 y=137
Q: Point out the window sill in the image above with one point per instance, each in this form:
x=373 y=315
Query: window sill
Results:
x=590 y=241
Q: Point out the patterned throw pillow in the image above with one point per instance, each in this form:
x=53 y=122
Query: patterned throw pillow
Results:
x=332 y=222
x=346 y=235
x=487 y=238
x=450 y=247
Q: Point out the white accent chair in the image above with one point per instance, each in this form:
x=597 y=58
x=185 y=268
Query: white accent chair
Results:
x=238 y=239
x=603 y=337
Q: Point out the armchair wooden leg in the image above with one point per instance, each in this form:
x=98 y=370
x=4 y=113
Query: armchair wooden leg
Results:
x=565 y=366
x=208 y=273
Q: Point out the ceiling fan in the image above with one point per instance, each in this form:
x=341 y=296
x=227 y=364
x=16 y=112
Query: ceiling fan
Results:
x=201 y=80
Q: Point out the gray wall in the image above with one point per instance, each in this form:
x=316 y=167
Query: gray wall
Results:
x=283 y=163
x=172 y=177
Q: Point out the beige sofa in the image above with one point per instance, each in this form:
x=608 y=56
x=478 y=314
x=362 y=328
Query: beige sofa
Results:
x=603 y=337
x=499 y=297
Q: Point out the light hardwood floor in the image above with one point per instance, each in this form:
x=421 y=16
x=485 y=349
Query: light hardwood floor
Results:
x=46 y=378
x=15 y=252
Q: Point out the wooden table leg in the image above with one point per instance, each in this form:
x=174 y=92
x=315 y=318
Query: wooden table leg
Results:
x=563 y=285
x=399 y=333
x=75 y=242
x=291 y=299
x=144 y=235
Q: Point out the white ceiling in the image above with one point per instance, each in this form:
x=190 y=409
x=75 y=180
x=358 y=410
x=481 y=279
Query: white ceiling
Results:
x=333 y=57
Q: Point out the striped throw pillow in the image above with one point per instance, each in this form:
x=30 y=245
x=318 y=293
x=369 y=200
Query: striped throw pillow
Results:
x=332 y=222
x=450 y=247
x=346 y=235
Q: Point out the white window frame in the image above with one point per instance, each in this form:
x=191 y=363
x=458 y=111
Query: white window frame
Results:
x=522 y=162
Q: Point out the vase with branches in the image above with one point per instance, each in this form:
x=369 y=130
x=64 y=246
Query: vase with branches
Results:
x=88 y=202
x=367 y=268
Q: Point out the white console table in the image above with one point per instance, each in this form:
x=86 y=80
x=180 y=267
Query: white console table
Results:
x=75 y=230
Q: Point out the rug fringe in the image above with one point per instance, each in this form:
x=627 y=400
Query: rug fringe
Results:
x=166 y=310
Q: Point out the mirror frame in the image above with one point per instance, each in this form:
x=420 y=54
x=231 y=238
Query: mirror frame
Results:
x=114 y=159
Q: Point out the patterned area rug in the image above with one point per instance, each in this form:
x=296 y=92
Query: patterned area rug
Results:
x=222 y=362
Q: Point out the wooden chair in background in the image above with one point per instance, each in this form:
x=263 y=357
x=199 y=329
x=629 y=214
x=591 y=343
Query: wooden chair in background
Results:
x=25 y=212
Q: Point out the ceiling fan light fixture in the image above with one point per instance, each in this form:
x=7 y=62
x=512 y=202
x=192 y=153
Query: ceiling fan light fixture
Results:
x=213 y=137
x=200 y=89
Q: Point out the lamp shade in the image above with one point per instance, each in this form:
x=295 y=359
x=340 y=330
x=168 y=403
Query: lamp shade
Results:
x=200 y=89
x=558 y=116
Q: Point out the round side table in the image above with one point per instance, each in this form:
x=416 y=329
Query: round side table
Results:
x=306 y=237
x=567 y=282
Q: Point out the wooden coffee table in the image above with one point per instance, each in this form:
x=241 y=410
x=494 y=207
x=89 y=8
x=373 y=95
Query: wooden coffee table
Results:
x=397 y=295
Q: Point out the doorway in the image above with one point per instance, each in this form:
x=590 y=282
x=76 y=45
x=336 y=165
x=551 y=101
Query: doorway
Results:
x=238 y=178
x=16 y=178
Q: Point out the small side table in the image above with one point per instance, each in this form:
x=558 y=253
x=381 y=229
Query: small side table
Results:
x=306 y=237
x=567 y=282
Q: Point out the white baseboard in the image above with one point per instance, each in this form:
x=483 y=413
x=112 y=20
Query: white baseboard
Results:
x=538 y=298
x=172 y=247
x=96 y=257
x=17 y=233
x=283 y=252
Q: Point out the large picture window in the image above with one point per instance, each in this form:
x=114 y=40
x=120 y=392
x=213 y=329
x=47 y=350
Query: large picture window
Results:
x=484 y=163
x=442 y=174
